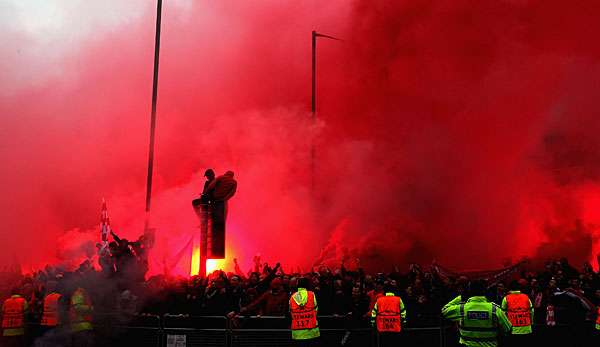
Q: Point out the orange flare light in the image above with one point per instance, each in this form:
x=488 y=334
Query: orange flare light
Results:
x=195 y=263
x=211 y=264
x=214 y=264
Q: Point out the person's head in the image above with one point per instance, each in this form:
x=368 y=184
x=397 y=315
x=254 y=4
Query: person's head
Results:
x=477 y=288
x=209 y=174
x=356 y=293
x=251 y=293
x=575 y=283
x=500 y=287
x=379 y=284
x=338 y=285
x=254 y=278
x=388 y=288
x=535 y=283
x=51 y=286
x=15 y=291
x=418 y=283
x=303 y=282
x=235 y=281
x=323 y=270
x=293 y=283
x=276 y=285
x=219 y=283
x=229 y=174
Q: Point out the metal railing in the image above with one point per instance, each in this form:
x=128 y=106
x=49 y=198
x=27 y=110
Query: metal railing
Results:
x=266 y=331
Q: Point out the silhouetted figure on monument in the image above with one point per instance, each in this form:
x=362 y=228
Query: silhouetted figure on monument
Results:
x=221 y=189
x=202 y=204
x=205 y=196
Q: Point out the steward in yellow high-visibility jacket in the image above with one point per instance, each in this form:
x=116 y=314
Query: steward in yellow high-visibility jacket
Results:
x=80 y=311
x=80 y=316
x=479 y=321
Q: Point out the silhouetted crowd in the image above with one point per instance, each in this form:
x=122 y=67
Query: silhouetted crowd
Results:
x=265 y=291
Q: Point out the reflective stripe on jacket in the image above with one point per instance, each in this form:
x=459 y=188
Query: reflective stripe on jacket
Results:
x=479 y=321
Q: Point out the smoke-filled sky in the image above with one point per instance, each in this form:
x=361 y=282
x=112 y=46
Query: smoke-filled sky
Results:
x=461 y=131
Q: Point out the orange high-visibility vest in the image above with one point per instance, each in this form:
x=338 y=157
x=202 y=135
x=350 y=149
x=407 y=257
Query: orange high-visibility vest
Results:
x=50 y=315
x=518 y=310
x=388 y=314
x=305 y=316
x=13 y=313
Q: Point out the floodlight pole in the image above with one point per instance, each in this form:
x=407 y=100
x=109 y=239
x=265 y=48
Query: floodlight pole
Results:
x=313 y=103
x=153 y=113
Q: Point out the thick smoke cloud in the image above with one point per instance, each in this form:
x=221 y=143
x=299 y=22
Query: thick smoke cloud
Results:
x=456 y=130
x=472 y=106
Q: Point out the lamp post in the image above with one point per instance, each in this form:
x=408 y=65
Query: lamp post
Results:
x=153 y=112
x=313 y=103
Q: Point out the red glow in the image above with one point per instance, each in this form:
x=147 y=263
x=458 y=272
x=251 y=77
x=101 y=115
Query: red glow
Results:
x=441 y=126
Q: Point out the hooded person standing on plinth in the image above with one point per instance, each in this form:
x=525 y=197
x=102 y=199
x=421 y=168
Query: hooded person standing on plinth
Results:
x=221 y=189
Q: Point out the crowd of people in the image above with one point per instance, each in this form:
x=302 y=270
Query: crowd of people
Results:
x=265 y=290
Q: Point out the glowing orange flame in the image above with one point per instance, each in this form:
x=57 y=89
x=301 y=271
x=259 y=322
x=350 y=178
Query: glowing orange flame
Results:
x=211 y=264
x=195 y=264
x=214 y=264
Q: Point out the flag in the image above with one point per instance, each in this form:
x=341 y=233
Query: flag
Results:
x=493 y=277
x=104 y=225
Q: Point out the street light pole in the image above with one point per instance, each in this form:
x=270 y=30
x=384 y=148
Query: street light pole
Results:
x=313 y=105
x=153 y=113
x=314 y=73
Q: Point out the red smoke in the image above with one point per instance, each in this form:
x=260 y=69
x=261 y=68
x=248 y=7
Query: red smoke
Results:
x=464 y=131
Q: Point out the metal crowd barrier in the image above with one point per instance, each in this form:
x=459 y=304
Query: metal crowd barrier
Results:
x=267 y=331
x=127 y=330
x=213 y=331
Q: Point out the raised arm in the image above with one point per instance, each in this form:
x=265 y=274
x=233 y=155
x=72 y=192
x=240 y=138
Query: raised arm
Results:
x=115 y=236
x=451 y=310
